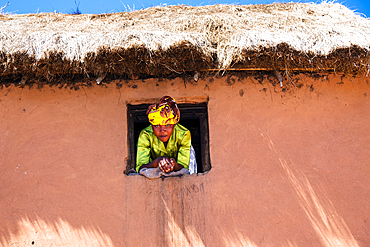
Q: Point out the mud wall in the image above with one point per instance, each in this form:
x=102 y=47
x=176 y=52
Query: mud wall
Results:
x=290 y=167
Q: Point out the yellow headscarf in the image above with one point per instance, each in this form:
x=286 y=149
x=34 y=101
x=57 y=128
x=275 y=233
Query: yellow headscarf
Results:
x=164 y=112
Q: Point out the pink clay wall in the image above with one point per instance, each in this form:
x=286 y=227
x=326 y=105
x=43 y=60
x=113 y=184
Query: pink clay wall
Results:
x=289 y=168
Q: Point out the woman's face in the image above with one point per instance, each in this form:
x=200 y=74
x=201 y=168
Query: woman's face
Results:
x=163 y=132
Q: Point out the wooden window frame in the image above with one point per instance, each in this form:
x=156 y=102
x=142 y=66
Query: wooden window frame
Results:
x=192 y=114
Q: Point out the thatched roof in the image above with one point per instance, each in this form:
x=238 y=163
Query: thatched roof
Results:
x=170 y=41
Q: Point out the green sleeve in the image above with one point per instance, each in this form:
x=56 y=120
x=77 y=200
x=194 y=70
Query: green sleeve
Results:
x=143 y=150
x=183 y=156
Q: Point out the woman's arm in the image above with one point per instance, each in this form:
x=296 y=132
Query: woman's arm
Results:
x=175 y=166
x=164 y=163
x=152 y=164
x=183 y=155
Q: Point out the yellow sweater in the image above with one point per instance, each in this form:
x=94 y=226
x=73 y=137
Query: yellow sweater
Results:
x=149 y=147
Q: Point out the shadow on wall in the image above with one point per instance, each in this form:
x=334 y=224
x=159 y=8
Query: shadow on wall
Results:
x=332 y=230
x=61 y=181
x=190 y=237
x=176 y=237
x=330 y=227
x=41 y=233
x=328 y=224
x=40 y=178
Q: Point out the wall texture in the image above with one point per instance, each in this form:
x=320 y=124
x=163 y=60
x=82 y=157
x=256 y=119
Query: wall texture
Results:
x=289 y=167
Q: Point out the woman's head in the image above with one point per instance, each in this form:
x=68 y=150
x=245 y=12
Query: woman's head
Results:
x=165 y=112
x=163 y=132
x=163 y=116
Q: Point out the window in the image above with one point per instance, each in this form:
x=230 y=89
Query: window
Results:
x=193 y=116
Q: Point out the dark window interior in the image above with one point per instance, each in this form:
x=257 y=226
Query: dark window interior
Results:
x=192 y=116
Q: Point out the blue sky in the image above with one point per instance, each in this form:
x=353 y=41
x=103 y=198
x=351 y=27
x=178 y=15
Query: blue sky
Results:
x=111 y=6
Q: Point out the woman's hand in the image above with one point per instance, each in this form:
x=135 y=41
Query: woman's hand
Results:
x=168 y=165
x=174 y=164
x=165 y=164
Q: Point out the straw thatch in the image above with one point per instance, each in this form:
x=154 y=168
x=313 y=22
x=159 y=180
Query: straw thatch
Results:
x=170 y=41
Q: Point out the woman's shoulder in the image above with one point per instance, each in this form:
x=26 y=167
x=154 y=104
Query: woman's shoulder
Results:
x=181 y=131
x=180 y=128
x=182 y=134
x=148 y=131
x=146 y=136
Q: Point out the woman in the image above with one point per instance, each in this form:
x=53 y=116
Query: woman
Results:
x=165 y=143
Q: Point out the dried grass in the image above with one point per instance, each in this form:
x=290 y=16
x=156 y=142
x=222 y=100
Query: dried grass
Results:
x=161 y=41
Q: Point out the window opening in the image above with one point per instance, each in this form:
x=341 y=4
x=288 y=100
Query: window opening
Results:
x=193 y=116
